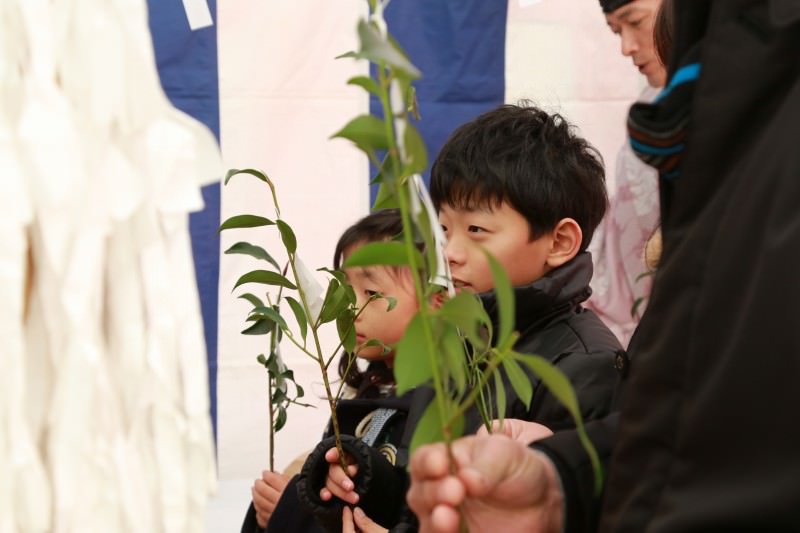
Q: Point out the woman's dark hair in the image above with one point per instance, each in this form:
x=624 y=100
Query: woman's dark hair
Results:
x=663 y=30
x=379 y=226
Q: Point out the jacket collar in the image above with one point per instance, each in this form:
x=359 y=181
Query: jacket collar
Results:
x=559 y=291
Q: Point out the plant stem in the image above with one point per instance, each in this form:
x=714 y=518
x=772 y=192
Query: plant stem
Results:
x=321 y=361
x=408 y=239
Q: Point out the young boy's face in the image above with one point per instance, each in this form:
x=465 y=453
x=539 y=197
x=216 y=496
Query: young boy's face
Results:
x=504 y=233
x=375 y=322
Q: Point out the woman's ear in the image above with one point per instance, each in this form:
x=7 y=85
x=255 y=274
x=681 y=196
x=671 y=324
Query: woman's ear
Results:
x=566 y=243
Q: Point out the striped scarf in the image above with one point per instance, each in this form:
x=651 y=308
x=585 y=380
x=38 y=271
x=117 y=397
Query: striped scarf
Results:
x=658 y=130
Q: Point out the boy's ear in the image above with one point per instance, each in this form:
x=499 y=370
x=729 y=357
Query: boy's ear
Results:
x=566 y=242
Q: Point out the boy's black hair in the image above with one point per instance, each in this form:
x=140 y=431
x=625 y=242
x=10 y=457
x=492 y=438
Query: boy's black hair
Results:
x=378 y=226
x=534 y=161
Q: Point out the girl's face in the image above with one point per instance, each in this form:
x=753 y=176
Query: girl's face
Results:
x=375 y=320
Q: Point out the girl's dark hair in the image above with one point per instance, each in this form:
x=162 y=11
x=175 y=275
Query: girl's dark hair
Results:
x=379 y=226
x=663 y=30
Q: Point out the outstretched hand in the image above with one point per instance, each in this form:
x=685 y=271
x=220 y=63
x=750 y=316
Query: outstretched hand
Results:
x=500 y=484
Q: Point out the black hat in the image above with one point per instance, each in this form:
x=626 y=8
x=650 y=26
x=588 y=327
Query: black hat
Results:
x=612 y=5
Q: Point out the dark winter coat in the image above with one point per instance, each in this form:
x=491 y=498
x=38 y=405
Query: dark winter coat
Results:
x=706 y=439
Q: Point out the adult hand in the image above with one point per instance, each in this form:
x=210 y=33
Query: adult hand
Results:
x=338 y=483
x=500 y=484
x=266 y=493
x=356 y=521
x=519 y=430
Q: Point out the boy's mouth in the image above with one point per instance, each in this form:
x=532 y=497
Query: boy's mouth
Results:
x=458 y=284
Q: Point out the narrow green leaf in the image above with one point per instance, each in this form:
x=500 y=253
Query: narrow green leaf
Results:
x=266 y=277
x=366 y=83
x=287 y=236
x=452 y=349
x=253 y=172
x=560 y=387
x=269 y=313
x=260 y=327
x=378 y=50
x=299 y=315
x=416 y=154
x=429 y=428
x=500 y=396
x=368 y=132
x=391 y=302
x=385 y=199
x=245 y=221
x=335 y=302
x=280 y=420
x=253 y=251
x=465 y=312
x=347 y=333
x=505 y=299
x=520 y=381
x=412 y=364
x=253 y=299
x=381 y=253
x=352 y=54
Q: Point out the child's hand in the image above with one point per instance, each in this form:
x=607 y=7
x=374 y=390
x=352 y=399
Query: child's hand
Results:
x=338 y=483
x=356 y=520
x=266 y=493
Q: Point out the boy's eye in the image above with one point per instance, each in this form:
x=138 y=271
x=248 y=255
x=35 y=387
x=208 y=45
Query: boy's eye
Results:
x=371 y=294
x=444 y=228
x=637 y=23
x=476 y=229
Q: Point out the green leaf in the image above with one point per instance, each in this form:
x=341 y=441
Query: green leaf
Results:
x=381 y=253
x=260 y=327
x=559 y=386
x=299 y=391
x=368 y=132
x=452 y=349
x=392 y=303
x=253 y=251
x=299 y=315
x=416 y=155
x=429 y=427
x=268 y=313
x=253 y=299
x=366 y=83
x=347 y=333
x=378 y=50
x=245 y=221
x=266 y=277
x=412 y=364
x=335 y=302
x=505 y=299
x=280 y=420
x=465 y=312
x=385 y=199
x=253 y=172
x=287 y=236
x=352 y=54
x=520 y=381
x=261 y=359
x=500 y=396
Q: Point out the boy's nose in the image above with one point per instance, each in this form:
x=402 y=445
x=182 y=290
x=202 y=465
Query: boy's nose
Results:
x=454 y=251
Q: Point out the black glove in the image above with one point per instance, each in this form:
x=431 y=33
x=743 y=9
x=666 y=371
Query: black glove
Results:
x=380 y=485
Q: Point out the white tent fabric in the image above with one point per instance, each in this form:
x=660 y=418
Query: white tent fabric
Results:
x=104 y=422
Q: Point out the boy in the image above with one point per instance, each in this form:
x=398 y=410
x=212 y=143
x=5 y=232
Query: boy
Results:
x=518 y=183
